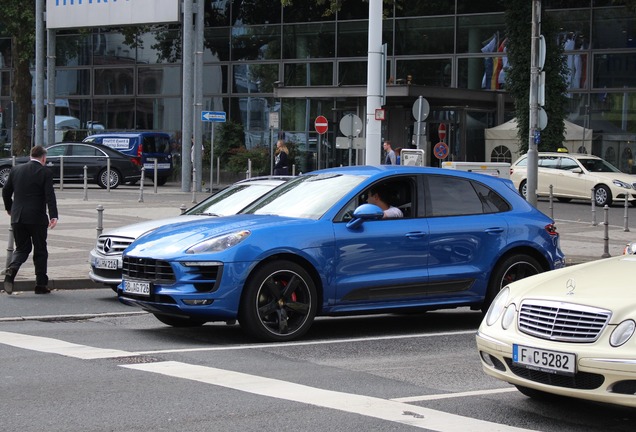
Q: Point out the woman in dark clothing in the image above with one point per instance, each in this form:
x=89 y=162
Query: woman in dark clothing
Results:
x=281 y=159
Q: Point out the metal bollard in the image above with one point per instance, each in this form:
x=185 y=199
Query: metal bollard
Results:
x=606 y=236
x=626 y=217
x=62 y=172
x=156 y=174
x=141 y=185
x=10 y=247
x=593 y=209
x=85 y=183
x=183 y=208
x=108 y=173
x=551 y=203
x=100 y=219
x=194 y=188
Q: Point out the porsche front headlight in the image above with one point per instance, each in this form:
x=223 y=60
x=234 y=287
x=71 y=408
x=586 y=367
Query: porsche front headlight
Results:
x=218 y=244
x=497 y=307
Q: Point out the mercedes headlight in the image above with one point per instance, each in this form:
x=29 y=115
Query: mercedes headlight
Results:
x=497 y=307
x=218 y=244
x=622 y=333
x=622 y=184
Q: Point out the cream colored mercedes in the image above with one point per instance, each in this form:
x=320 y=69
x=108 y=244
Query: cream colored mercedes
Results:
x=573 y=176
x=567 y=332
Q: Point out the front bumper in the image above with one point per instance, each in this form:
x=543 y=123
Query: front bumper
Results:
x=598 y=378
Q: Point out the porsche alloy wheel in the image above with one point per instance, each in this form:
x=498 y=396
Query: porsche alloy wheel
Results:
x=279 y=302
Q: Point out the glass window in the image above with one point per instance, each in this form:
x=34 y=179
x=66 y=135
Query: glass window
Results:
x=480 y=33
x=316 y=40
x=214 y=79
x=159 y=80
x=352 y=73
x=114 y=81
x=435 y=72
x=56 y=151
x=159 y=46
x=5 y=83
x=353 y=9
x=450 y=196
x=612 y=113
x=162 y=114
x=424 y=8
x=614 y=70
x=5 y=52
x=568 y=164
x=353 y=39
x=256 y=43
x=491 y=200
x=254 y=78
x=84 y=150
x=249 y=12
x=73 y=82
x=614 y=28
x=472 y=6
x=114 y=113
x=305 y=11
x=424 y=36
x=481 y=73
x=217 y=44
x=564 y=4
x=217 y=13
x=73 y=50
x=308 y=74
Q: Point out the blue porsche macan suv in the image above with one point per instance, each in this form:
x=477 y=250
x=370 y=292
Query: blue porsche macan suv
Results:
x=314 y=246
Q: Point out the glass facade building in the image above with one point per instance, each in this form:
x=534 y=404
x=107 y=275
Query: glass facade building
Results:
x=302 y=62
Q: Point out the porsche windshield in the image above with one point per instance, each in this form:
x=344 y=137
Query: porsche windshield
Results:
x=308 y=196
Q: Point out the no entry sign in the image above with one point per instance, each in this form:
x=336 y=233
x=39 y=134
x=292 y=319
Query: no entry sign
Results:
x=321 y=124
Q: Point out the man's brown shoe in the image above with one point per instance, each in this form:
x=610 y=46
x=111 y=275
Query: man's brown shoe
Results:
x=42 y=290
x=9 y=277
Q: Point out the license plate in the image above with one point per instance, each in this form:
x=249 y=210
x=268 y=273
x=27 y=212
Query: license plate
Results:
x=137 y=287
x=103 y=263
x=554 y=362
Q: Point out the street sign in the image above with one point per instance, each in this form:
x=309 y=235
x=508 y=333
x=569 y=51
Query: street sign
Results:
x=321 y=124
x=274 y=122
x=213 y=116
x=420 y=109
x=441 y=131
x=350 y=125
x=440 y=150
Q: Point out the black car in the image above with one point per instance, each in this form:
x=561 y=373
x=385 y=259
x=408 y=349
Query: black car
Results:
x=75 y=156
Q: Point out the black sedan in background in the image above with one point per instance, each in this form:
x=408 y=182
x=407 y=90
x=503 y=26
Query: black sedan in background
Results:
x=73 y=157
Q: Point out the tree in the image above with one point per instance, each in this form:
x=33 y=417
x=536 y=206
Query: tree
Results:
x=17 y=20
x=518 y=31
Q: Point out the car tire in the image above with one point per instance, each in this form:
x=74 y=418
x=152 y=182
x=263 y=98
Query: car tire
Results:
x=602 y=196
x=162 y=181
x=509 y=269
x=4 y=174
x=174 y=321
x=115 y=178
x=279 y=302
x=523 y=189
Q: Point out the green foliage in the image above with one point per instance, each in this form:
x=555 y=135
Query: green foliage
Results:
x=229 y=136
x=238 y=160
x=519 y=30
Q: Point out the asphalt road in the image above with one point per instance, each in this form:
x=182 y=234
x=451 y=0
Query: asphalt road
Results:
x=80 y=361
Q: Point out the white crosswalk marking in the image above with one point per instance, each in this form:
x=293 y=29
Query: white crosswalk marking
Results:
x=388 y=410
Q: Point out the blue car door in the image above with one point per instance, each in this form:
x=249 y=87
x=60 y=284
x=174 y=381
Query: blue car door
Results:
x=466 y=235
x=382 y=260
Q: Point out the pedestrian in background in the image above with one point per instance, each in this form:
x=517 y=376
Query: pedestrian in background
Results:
x=390 y=154
x=27 y=193
x=281 y=159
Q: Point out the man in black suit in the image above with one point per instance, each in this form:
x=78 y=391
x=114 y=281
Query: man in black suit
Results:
x=27 y=193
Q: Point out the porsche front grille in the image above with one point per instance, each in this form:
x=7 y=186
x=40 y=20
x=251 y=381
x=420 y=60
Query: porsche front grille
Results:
x=147 y=269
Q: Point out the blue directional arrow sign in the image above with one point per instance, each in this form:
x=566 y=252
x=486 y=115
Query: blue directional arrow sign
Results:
x=213 y=116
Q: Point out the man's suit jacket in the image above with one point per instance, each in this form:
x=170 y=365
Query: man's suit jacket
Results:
x=28 y=192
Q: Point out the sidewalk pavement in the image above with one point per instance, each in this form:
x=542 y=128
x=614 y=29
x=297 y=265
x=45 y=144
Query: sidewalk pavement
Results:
x=74 y=236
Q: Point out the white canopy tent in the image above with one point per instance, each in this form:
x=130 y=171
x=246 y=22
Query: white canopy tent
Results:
x=502 y=143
